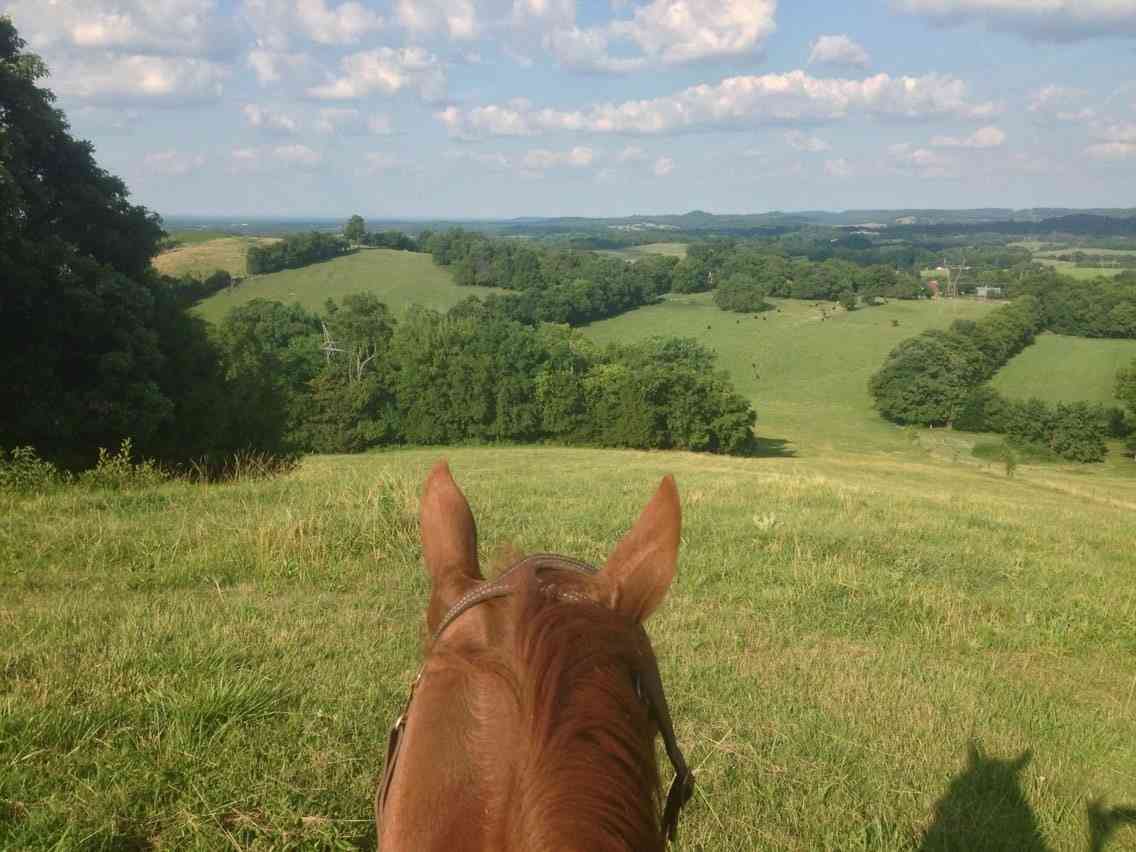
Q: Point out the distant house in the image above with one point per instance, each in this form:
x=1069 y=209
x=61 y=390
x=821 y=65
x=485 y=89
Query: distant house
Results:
x=988 y=292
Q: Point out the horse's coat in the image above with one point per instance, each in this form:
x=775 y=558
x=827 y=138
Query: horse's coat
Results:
x=526 y=729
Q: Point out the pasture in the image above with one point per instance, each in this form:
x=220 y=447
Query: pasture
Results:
x=860 y=652
x=202 y=257
x=1057 y=368
x=1080 y=273
x=636 y=252
x=399 y=278
x=805 y=368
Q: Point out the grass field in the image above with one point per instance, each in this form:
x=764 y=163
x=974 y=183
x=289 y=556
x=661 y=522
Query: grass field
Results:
x=1080 y=273
x=204 y=257
x=807 y=376
x=215 y=667
x=400 y=278
x=636 y=252
x=1066 y=369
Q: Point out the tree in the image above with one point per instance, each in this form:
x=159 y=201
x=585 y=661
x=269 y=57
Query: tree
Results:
x=1126 y=387
x=847 y=299
x=88 y=332
x=927 y=378
x=355 y=230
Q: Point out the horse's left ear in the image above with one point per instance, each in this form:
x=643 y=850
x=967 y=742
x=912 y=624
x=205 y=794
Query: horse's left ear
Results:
x=449 y=543
x=640 y=569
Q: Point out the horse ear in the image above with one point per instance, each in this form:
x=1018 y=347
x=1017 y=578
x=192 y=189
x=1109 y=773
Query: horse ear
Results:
x=449 y=542
x=642 y=566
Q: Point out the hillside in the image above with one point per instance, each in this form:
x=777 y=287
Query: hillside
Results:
x=209 y=666
x=807 y=376
x=201 y=257
x=1057 y=368
x=399 y=278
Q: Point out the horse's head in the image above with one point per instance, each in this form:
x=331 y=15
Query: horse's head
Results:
x=531 y=723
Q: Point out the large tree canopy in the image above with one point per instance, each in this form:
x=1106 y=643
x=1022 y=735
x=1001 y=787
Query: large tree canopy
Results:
x=86 y=328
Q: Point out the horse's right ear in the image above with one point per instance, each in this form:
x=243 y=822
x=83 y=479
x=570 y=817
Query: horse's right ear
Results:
x=641 y=568
x=449 y=542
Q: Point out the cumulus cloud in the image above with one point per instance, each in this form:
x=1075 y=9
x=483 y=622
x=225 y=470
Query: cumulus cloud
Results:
x=921 y=162
x=386 y=71
x=300 y=155
x=664 y=166
x=269 y=119
x=263 y=159
x=1112 y=150
x=1062 y=103
x=541 y=159
x=838 y=50
x=632 y=154
x=280 y=24
x=160 y=27
x=984 y=137
x=1050 y=20
x=455 y=18
x=348 y=121
x=172 y=163
x=734 y=102
x=662 y=32
x=804 y=142
x=271 y=66
x=494 y=161
x=107 y=77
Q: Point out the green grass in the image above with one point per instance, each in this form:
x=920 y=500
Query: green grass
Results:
x=1080 y=273
x=204 y=257
x=399 y=278
x=636 y=252
x=1066 y=369
x=215 y=666
x=807 y=377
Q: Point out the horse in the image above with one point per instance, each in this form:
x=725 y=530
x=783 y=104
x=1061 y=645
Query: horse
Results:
x=531 y=723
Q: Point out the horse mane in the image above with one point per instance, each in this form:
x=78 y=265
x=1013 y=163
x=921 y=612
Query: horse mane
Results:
x=588 y=777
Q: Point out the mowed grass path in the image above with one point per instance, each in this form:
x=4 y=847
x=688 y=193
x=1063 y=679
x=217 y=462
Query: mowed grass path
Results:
x=215 y=667
x=398 y=278
x=1066 y=369
x=807 y=376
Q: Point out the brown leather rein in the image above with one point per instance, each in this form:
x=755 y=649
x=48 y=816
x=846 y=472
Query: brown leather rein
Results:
x=648 y=684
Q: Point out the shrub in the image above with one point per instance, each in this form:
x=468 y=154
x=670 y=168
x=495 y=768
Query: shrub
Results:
x=116 y=471
x=22 y=471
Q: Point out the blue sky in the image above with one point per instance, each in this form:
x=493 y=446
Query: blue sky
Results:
x=495 y=108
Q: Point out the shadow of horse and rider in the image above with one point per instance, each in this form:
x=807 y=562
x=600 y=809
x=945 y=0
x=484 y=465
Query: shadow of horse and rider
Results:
x=985 y=808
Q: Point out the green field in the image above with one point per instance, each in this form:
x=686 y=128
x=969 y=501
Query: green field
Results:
x=807 y=377
x=215 y=667
x=636 y=252
x=400 y=278
x=1066 y=369
x=203 y=257
x=1080 y=273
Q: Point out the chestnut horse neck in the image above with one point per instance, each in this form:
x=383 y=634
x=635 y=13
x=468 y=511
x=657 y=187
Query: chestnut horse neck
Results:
x=644 y=673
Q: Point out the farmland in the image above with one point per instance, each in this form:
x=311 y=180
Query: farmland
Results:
x=1057 y=368
x=201 y=257
x=399 y=278
x=636 y=252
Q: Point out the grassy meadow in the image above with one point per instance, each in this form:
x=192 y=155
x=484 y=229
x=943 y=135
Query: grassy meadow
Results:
x=861 y=652
x=1080 y=273
x=400 y=278
x=1057 y=368
x=805 y=368
x=636 y=252
x=202 y=257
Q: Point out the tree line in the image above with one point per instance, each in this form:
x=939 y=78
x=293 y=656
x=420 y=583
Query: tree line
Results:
x=356 y=378
x=294 y=251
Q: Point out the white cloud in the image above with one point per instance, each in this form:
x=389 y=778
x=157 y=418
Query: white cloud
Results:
x=343 y=24
x=269 y=119
x=300 y=155
x=838 y=168
x=540 y=159
x=734 y=102
x=173 y=163
x=919 y=161
x=495 y=161
x=271 y=66
x=457 y=18
x=349 y=121
x=984 y=137
x=632 y=154
x=1051 y=20
x=661 y=32
x=664 y=166
x=153 y=79
x=387 y=71
x=676 y=31
x=1112 y=150
x=1062 y=103
x=838 y=50
x=162 y=27
x=804 y=142
x=543 y=13
x=1117 y=132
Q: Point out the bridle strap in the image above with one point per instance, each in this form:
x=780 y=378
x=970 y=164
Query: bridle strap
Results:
x=649 y=684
